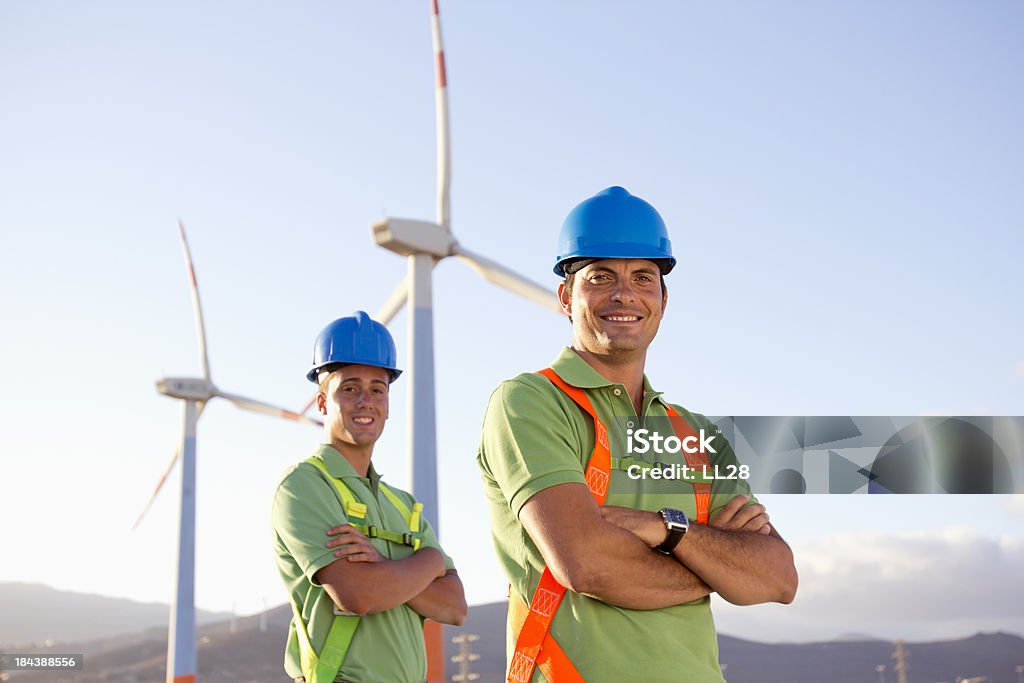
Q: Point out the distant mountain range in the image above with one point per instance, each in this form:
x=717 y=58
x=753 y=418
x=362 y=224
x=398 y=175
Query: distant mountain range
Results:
x=238 y=651
x=45 y=613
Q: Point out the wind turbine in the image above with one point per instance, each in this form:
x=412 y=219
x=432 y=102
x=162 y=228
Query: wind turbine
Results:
x=424 y=243
x=194 y=393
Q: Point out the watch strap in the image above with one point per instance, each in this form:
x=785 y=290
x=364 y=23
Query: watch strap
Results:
x=671 y=541
x=676 y=523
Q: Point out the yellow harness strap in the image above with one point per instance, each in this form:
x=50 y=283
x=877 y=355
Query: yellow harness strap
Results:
x=324 y=667
x=357 y=511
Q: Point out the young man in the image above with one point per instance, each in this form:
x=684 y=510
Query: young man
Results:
x=610 y=561
x=362 y=566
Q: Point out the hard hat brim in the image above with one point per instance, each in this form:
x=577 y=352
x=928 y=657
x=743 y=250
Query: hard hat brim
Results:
x=314 y=373
x=662 y=258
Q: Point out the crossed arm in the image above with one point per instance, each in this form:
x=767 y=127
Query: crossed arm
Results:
x=600 y=552
x=738 y=553
x=363 y=581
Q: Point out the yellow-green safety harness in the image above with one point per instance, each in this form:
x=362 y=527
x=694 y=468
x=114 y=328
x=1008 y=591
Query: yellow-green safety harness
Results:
x=324 y=667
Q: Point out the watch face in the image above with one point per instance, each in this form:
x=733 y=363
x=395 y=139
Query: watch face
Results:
x=675 y=517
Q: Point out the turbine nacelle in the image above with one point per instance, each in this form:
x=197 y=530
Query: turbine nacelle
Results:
x=406 y=236
x=409 y=237
x=187 y=388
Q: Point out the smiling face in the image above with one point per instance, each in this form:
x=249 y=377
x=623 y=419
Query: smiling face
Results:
x=354 y=403
x=616 y=306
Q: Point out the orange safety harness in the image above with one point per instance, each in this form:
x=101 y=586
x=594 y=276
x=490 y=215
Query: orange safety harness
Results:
x=535 y=646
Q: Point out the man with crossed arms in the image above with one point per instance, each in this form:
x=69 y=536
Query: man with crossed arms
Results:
x=362 y=568
x=636 y=558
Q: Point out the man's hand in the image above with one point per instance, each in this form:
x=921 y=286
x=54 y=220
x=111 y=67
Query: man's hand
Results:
x=352 y=544
x=740 y=555
x=648 y=526
x=735 y=517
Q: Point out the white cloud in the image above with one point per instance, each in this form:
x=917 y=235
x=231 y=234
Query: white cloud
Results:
x=939 y=584
x=1019 y=369
x=1015 y=505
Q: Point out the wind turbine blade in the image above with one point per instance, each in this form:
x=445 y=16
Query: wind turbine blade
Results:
x=267 y=409
x=170 y=466
x=394 y=303
x=197 y=309
x=159 y=485
x=444 y=174
x=510 y=280
x=309 y=404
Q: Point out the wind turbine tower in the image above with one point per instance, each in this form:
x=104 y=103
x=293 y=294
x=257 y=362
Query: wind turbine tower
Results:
x=194 y=393
x=424 y=244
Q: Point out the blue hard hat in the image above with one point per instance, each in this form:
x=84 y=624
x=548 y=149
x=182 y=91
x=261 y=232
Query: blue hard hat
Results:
x=357 y=340
x=614 y=224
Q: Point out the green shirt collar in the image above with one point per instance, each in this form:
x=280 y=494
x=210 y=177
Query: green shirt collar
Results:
x=338 y=465
x=579 y=373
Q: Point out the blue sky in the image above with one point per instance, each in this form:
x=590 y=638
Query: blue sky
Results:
x=841 y=182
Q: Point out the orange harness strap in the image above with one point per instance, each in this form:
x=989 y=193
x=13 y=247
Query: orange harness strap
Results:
x=535 y=647
x=599 y=466
x=701 y=490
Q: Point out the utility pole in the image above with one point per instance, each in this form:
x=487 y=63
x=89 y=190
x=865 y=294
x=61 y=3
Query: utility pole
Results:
x=901 y=668
x=464 y=657
x=880 y=670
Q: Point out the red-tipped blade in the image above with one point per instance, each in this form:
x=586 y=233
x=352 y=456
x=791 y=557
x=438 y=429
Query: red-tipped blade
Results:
x=268 y=409
x=309 y=404
x=444 y=172
x=197 y=308
x=159 y=485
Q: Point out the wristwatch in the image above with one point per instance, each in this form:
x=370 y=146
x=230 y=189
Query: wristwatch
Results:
x=677 y=524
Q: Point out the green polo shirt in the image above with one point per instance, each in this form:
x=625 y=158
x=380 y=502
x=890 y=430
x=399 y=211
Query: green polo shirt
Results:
x=534 y=437
x=387 y=646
